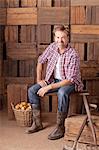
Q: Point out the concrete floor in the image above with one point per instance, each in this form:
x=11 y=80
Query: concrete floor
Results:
x=13 y=137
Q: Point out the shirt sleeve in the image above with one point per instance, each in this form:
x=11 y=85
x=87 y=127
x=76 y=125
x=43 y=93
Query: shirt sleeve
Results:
x=44 y=57
x=73 y=69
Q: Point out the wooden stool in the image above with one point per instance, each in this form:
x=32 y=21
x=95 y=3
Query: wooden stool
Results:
x=86 y=120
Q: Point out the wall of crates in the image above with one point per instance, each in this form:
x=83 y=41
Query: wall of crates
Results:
x=26 y=30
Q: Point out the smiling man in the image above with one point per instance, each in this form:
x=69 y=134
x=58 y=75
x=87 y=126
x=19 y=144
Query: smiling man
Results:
x=62 y=76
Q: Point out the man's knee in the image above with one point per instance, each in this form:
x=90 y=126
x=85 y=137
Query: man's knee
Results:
x=33 y=89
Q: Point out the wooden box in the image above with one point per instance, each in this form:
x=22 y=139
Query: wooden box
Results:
x=73 y=124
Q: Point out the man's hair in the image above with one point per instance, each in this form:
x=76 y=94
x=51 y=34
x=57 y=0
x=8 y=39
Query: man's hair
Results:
x=61 y=28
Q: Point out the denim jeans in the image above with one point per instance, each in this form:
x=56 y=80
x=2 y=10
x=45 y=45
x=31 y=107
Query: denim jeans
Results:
x=62 y=93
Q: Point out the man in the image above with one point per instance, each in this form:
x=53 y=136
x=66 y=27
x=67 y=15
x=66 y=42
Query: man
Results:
x=62 y=76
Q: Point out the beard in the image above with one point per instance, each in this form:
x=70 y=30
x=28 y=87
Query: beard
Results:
x=61 y=45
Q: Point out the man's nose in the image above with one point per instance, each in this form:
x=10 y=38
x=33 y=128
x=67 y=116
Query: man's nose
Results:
x=60 y=39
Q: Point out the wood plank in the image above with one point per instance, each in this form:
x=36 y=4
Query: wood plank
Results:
x=84 y=2
x=12 y=3
x=84 y=33
x=21 y=51
x=85 y=29
x=73 y=125
x=3 y=16
x=27 y=34
x=44 y=34
x=44 y=3
x=48 y=15
x=21 y=16
x=2 y=3
x=10 y=68
x=61 y=3
x=19 y=80
x=28 y=3
x=15 y=93
x=11 y=33
x=84 y=38
x=27 y=68
x=97 y=15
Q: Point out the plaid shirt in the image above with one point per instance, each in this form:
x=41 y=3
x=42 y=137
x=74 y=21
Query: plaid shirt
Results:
x=69 y=65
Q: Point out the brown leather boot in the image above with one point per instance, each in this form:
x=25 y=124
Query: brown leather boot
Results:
x=59 y=131
x=37 y=124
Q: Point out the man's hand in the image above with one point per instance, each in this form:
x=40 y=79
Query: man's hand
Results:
x=42 y=83
x=43 y=90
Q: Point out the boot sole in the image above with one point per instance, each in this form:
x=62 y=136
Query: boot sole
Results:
x=33 y=131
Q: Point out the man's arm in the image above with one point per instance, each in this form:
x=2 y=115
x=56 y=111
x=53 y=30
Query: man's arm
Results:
x=39 y=75
x=51 y=86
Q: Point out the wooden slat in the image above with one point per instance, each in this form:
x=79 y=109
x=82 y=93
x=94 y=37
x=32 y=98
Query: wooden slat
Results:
x=3 y=16
x=2 y=3
x=27 y=34
x=10 y=68
x=73 y=124
x=48 y=15
x=44 y=3
x=28 y=3
x=27 y=68
x=84 y=33
x=19 y=80
x=85 y=29
x=15 y=93
x=21 y=16
x=12 y=3
x=84 y=2
x=61 y=3
x=11 y=33
x=21 y=51
x=44 y=34
x=78 y=15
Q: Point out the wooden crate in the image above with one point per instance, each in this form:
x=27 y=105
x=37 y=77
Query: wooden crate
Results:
x=73 y=124
x=15 y=94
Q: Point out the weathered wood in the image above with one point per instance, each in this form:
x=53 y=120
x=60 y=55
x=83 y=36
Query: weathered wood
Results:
x=44 y=34
x=22 y=16
x=44 y=3
x=27 y=34
x=85 y=29
x=28 y=3
x=61 y=3
x=12 y=3
x=15 y=93
x=27 y=68
x=21 y=51
x=73 y=125
x=48 y=15
x=19 y=80
x=10 y=68
x=3 y=16
x=11 y=34
x=84 y=2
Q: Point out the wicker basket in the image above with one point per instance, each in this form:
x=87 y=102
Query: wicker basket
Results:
x=23 y=117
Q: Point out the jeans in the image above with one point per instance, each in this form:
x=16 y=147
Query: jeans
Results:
x=62 y=93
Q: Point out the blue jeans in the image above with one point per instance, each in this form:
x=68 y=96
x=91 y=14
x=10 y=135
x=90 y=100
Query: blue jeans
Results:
x=62 y=93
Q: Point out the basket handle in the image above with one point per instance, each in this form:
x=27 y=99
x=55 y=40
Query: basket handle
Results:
x=12 y=105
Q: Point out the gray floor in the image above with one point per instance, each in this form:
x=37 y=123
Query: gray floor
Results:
x=13 y=137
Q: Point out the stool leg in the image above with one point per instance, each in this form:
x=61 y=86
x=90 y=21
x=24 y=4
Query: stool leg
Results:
x=89 y=119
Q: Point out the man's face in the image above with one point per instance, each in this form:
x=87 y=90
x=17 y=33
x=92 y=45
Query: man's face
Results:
x=61 y=39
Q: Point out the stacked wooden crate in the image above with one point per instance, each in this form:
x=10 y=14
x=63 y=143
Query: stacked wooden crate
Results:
x=2 y=26
x=28 y=31
x=85 y=38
